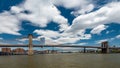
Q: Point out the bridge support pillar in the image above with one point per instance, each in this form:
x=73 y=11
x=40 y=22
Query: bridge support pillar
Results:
x=104 y=47
x=30 y=50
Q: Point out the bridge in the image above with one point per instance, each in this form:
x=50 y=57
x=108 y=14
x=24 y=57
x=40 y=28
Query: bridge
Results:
x=104 y=46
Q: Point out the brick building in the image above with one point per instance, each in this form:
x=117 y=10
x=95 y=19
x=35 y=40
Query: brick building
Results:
x=8 y=50
x=18 y=51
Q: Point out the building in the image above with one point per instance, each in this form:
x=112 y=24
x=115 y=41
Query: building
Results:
x=47 y=51
x=8 y=50
x=18 y=51
x=54 y=51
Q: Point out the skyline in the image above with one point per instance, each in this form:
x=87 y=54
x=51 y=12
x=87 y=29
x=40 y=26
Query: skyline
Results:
x=81 y=22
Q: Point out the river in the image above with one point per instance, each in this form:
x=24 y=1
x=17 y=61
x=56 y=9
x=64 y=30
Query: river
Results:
x=61 y=61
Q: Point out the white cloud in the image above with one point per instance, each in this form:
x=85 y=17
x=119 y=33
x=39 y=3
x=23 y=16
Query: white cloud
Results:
x=79 y=6
x=68 y=38
x=83 y=10
x=105 y=15
x=1 y=38
x=108 y=39
x=70 y=3
x=100 y=41
x=15 y=9
x=118 y=36
x=64 y=40
x=98 y=29
x=111 y=39
x=22 y=40
x=107 y=32
x=9 y=24
x=41 y=13
x=114 y=38
x=82 y=43
x=47 y=33
x=55 y=37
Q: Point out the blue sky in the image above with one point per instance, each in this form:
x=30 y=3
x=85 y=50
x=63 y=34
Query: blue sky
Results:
x=83 y=22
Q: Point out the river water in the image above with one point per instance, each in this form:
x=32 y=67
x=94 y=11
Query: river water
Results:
x=61 y=61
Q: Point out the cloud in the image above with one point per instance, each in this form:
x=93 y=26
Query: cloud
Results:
x=118 y=36
x=79 y=6
x=83 y=10
x=9 y=24
x=105 y=15
x=41 y=12
x=22 y=40
x=1 y=38
x=108 y=39
x=82 y=43
x=16 y=9
x=47 y=33
x=100 y=41
x=98 y=29
x=64 y=40
x=55 y=37
x=114 y=38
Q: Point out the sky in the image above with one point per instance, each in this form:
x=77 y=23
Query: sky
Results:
x=81 y=22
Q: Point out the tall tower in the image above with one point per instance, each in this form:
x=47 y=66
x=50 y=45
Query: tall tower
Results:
x=105 y=47
x=30 y=51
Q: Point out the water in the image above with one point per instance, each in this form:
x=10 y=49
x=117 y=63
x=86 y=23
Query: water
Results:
x=61 y=61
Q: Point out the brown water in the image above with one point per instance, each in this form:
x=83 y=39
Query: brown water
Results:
x=61 y=61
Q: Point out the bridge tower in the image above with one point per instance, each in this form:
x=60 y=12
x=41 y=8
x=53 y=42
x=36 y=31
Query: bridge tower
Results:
x=30 y=50
x=84 y=51
x=104 y=47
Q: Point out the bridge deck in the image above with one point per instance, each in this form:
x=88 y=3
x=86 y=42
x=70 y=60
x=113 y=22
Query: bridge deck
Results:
x=79 y=46
x=17 y=45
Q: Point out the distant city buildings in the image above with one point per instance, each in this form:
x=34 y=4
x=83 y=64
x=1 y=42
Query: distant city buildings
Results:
x=18 y=51
x=21 y=51
x=46 y=52
x=6 y=50
x=9 y=51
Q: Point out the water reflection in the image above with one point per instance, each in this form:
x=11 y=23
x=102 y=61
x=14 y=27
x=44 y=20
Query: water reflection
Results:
x=61 y=61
